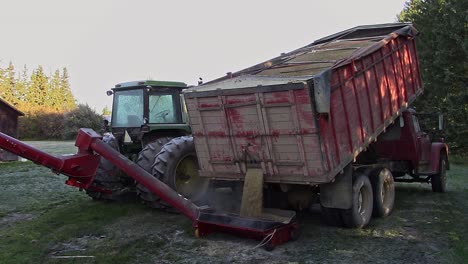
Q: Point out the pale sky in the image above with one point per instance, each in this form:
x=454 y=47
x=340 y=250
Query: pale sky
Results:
x=104 y=42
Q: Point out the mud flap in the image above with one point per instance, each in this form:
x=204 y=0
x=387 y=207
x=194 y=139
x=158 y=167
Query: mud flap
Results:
x=338 y=194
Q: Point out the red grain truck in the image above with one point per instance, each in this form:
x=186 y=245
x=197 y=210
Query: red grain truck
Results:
x=328 y=121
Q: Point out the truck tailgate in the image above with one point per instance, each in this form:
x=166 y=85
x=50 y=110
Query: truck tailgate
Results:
x=271 y=127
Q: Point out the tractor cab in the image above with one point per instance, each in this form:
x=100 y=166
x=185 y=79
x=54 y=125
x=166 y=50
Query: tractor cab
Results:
x=143 y=110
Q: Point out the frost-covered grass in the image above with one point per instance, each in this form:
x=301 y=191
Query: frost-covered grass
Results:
x=42 y=218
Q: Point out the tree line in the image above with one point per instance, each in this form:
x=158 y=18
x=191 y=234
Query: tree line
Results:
x=443 y=56
x=37 y=92
x=50 y=109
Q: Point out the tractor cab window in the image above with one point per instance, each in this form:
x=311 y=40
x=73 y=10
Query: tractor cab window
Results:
x=128 y=109
x=163 y=108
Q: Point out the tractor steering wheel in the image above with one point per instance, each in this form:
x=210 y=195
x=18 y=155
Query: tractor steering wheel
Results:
x=162 y=114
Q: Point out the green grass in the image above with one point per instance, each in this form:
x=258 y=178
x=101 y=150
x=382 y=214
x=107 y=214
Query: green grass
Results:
x=41 y=218
x=459 y=159
x=54 y=147
x=31 y=240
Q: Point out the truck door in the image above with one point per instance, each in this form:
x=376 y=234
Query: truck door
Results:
x=423 y=141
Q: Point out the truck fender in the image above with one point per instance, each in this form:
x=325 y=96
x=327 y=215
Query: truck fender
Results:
x=338 y=193
x=437 y=149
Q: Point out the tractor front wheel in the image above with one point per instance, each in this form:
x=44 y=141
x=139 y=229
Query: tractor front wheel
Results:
x=439 y=180
x=112 y=179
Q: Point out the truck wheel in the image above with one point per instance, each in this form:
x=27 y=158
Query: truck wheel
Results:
x=145 y=160
x=176 y=165
x=439 y=180
x=383 y=187
x=109 y=177
x=360 y=213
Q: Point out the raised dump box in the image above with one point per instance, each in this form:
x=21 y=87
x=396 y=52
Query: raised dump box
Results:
x=305 y=115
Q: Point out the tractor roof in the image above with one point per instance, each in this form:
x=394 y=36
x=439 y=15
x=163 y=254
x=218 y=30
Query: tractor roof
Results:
x=152 y=83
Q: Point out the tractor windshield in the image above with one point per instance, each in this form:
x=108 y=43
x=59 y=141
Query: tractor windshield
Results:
x=163 y=108
x=127 y=110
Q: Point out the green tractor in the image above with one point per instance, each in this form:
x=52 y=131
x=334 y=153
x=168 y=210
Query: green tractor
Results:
x=149 y=126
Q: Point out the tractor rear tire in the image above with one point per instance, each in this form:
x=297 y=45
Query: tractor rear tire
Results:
x=148 y=153
x=383 y=187
x=109 y=177
x=439 y=180
x=360 y=213
x=146 y=159
x=176 y=165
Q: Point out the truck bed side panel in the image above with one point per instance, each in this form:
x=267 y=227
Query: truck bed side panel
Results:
x=367 y=96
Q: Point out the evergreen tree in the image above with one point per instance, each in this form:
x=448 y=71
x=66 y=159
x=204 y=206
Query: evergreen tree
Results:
x=8 y=82
x=48 y=102
x=68 y=100
x=22 y=86
x=56 y=98
x=443 y=53
x=38 y=92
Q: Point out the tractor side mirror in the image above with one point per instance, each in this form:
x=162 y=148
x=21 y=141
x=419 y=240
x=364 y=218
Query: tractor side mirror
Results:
x=109 y=93
x=441 y=122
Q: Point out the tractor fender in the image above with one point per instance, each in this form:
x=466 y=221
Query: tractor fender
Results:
x=437 y=149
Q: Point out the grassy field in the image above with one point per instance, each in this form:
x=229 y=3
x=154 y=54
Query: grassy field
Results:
x=42 y=220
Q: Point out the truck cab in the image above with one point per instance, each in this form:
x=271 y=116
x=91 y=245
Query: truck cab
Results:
x=413 y=148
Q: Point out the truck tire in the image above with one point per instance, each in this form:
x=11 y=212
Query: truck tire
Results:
x=109 y=177
x=176 y=165
x=360 y=213
x=146 y=159
x=383 y=187
x=439 y=180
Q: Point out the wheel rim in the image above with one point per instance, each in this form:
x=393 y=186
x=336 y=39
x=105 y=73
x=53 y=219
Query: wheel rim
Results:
x=363 y=201
x=188 y=182
x=360 y=204
x=385 y=190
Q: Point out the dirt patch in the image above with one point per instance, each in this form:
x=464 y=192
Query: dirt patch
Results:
x=13 y=218
x=77 y=246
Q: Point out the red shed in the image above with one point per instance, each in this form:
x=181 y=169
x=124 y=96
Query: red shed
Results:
x=8 y=125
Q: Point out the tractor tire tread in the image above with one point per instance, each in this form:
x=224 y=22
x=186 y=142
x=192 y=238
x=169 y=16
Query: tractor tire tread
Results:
x=170 y=153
